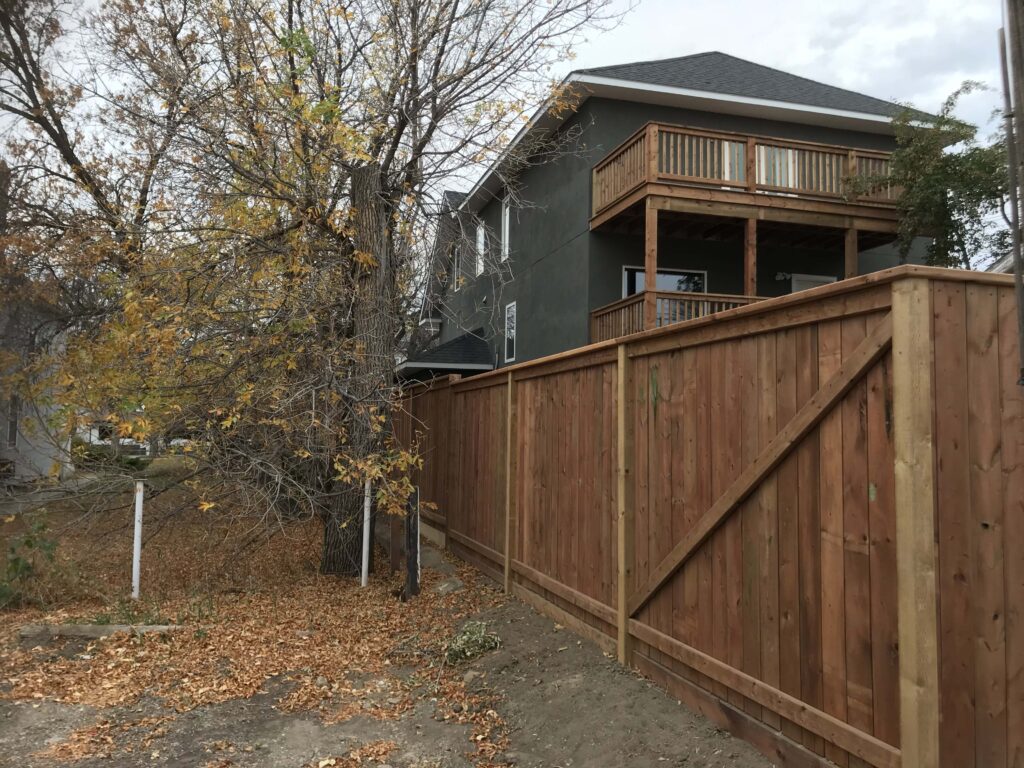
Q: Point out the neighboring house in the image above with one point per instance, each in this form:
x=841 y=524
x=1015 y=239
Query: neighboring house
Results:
x=27 y=450
x=698 y=175
x=1003 y=266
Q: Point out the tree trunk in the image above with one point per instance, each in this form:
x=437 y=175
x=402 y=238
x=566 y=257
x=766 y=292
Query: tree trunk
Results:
x=343 y=544
x=371 y=384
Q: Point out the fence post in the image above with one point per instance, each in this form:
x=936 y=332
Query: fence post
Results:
x=140 y=490
x=624 y=501
x=913 y=410
x=412 y=545
x=510 y=475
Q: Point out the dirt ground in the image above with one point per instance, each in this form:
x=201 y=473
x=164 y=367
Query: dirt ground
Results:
x=307 y=671
x=564 y=702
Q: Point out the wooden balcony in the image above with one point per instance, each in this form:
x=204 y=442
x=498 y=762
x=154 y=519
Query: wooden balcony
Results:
x=626 y=316
x=746 y=176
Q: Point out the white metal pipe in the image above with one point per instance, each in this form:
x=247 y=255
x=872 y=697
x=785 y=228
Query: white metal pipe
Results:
x=137 y=546
x=365 y=572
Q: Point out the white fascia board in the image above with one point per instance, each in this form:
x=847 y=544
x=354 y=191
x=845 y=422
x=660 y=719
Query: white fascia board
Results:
x=704 y=101
x=725 y=102
x=537 y=119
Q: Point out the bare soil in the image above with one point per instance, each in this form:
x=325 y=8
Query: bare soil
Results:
x=564 y=702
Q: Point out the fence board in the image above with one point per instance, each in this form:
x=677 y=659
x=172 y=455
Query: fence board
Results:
x=764 y=580
x=767 y=501
x=882 y=554
x=808 y=489
x=987 y=511
x=830 y=494
x=856 y=535
x=956 y=674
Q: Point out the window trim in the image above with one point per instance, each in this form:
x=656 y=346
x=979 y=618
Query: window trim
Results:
x=515 y=328
x=506 y=227
x=481 y=247
x=672 y=270
x=456 y=267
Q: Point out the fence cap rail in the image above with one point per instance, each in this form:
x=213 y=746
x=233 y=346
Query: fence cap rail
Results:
x=839 y=288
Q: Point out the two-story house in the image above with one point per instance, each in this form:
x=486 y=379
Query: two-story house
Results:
x=681 y=187
x=28 y=450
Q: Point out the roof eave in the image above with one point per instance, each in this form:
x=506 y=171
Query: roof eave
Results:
x=710 y=101
x=409 y=365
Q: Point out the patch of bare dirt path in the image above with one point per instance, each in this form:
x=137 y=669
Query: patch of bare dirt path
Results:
x=567 y=705
x=558 y=699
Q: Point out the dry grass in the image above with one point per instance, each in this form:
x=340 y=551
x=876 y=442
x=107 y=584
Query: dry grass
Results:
x=254 y=608
x=188 y=555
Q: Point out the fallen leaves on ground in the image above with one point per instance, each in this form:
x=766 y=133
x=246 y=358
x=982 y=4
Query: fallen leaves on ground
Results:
x=374 y=752
x=104 y=738
x=327 y=645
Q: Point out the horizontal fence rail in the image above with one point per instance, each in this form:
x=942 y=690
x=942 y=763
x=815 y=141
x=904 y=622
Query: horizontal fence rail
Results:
x=747 y=509
x=676 y=154
x=626 y=316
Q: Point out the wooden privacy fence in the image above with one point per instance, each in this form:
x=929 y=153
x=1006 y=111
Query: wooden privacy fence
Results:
x=803 y=517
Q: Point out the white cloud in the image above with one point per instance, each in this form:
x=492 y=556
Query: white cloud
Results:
x=904 y=50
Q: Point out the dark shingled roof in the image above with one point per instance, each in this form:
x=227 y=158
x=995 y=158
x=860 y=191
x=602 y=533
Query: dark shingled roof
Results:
x=453 y=199
x=721 y=73
x=469 y=349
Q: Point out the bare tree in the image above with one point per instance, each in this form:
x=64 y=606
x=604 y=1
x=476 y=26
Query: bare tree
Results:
x=230 y=202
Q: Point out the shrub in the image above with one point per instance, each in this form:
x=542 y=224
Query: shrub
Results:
x=471 y=641
x=25 y=555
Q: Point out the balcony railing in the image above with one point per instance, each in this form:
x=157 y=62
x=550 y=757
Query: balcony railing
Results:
x=626 y=316
x=674 y=154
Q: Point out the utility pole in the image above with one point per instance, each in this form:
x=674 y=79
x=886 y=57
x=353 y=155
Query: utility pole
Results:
x=1011 y=56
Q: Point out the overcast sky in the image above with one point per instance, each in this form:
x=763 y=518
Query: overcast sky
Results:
x=915 y=51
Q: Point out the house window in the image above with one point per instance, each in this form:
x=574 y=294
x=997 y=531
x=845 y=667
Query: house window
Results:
x=504 y=228
x=13 y=417
x=481 y=246
x=456 y=267
x=510 y=332
x=803 y=282
x=687 y=281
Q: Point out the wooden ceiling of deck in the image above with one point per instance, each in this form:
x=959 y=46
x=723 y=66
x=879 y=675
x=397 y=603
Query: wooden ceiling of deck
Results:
x=692 y=226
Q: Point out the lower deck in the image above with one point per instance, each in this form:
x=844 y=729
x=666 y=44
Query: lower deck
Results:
x=703 y=263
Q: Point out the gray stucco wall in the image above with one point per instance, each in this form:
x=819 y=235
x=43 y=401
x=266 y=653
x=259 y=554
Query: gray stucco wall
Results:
x=547 y=270
x=558 y=271
x=34 y=455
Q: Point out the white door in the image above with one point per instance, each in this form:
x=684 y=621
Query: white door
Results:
x=803 y=282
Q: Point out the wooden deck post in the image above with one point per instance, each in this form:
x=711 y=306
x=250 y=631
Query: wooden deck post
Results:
x=510 y=476
x=650 y=265
x=913 y=406
x=750 y=258
x=751 y=169
x=652 y=152
x=624 y=502
x=850 y=253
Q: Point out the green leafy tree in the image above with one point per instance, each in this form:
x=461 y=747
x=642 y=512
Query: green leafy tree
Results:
x=954 y=186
